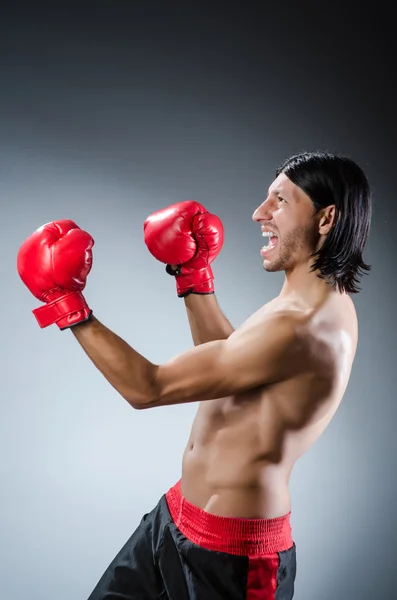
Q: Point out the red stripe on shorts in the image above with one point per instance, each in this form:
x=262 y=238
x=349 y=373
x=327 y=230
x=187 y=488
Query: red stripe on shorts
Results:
x=262 y=577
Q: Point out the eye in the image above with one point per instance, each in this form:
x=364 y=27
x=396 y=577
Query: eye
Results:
x=280 y=199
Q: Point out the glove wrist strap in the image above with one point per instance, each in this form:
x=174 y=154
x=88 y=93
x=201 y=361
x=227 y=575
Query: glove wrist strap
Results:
x=66 y=311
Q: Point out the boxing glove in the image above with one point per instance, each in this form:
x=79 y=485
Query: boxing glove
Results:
x=188 y=237
x=54 y=263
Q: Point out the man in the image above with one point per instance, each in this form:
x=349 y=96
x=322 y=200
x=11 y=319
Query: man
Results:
x=267 y=390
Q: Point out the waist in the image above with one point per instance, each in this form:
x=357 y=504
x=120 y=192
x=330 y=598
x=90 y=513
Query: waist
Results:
x=248 y=488
x=245 y=537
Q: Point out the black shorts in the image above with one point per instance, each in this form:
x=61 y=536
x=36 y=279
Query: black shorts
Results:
x=180 y=552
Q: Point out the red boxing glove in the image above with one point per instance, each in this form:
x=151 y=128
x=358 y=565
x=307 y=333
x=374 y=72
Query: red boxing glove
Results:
x=188 y=236
x=54 y=263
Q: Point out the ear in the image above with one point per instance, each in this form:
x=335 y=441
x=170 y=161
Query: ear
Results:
x=327 y=219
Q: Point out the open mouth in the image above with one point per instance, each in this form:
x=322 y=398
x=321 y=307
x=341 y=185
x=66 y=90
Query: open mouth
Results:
x=272 y=241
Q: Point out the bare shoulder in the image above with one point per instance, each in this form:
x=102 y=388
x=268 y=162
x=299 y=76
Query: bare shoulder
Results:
x=329 y=339
x=308 y=340
x=335 y=324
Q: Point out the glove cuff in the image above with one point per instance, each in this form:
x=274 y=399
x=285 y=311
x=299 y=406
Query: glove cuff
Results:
x=65 y=311
x=200 y=281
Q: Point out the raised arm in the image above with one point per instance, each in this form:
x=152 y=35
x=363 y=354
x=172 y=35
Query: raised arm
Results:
x=251 y=357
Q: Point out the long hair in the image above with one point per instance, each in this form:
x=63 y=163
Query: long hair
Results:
x=329 y=179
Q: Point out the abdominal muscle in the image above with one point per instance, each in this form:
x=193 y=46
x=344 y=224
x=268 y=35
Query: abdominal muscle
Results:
x=240 y=455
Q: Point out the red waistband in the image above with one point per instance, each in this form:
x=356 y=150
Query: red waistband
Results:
x=245 y=537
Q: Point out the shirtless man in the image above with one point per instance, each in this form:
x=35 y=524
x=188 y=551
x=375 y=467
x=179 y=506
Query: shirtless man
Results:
x=267 y=390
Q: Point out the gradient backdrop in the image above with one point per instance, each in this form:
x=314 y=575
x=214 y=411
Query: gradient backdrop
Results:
x=109 y=111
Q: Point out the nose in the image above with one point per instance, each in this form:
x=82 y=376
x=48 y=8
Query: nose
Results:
x=264 y=212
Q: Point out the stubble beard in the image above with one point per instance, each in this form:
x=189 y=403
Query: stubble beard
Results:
x=289 y=248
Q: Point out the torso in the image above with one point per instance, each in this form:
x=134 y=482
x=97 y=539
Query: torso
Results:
x=242 y=449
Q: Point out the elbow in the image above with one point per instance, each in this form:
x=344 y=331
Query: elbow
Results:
x=151 y=395
x=140 y=403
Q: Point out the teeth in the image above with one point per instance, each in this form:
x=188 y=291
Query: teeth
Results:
x=269 y=235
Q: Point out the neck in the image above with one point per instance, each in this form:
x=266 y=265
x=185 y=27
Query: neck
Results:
x=304 y=284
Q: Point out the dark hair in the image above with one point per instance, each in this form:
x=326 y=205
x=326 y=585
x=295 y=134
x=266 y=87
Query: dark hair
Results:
x=330 y=179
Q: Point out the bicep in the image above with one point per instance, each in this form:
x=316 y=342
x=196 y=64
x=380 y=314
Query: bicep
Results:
x=198 y=374
x=247 y=359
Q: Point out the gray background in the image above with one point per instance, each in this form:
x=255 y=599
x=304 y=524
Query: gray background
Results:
x=108 y=113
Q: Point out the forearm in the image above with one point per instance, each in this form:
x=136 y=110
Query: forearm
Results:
x=206 y=320
x=132 y=375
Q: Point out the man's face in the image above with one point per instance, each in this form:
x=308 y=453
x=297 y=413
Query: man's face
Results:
x=289 y=214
